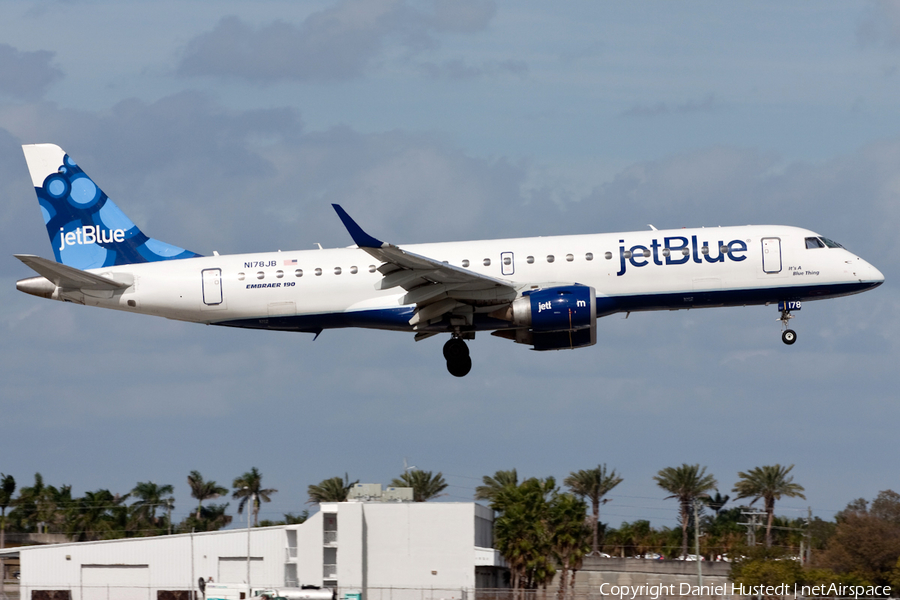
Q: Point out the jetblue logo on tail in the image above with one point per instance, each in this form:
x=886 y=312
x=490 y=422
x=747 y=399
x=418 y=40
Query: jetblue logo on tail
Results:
x=90 y=235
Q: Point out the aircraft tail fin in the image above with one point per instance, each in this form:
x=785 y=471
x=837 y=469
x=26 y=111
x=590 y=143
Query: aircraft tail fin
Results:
x=87 y=230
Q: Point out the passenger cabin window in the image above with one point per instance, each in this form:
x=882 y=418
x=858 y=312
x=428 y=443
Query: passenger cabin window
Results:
x=318 y=272
x=724 y=249
x=465 y=262
x=298 y=273
x=570 y=257
x=589 y=256
x=608 y=256
x=371 y=268
x=354 y=270
x=812 y=242
x=487 y=262
x=337 y=270
x=279 y=274
x=507 y=261
x=529 y=260
x=240 y=276
x=550 y=258
x=260 y=275
x=704 y=250
x=666 y=252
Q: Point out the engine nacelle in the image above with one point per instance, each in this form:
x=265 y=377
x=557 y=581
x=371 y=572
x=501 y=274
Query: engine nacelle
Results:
x=556 y=318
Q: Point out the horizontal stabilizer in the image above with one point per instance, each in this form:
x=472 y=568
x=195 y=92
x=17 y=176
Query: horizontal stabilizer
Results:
x=69 y=277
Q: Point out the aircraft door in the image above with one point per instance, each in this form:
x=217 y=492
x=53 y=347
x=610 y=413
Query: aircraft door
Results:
x=212 y=287
x=771 y=249
x=507 y=263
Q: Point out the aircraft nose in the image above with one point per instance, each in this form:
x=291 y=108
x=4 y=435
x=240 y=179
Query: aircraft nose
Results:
x=868 y=273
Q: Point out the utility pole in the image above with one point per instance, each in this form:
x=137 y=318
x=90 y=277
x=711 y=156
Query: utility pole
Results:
x=751 y=526
x=697 y=543
x=808 y=536
x=251 y=507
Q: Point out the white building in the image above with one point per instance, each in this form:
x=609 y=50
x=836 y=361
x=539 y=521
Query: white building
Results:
x=385 y=550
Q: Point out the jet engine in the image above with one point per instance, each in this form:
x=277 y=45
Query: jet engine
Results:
x=553 y=318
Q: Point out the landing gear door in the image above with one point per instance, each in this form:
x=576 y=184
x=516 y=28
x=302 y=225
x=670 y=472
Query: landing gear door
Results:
x=507 y=264
x=771 y=255
x=212 y=289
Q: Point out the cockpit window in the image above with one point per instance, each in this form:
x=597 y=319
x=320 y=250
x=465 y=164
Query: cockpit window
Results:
x=830 y=243
x=812 y=242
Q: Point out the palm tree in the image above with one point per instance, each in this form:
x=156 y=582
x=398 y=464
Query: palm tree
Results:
x=7 y=489
x=150 y=496
x=522 y=532
x=90 y=516
x=249 y=485
x=593 y=484
x=687 y=483
x=769 y=483
x=204 y=490
x=330 y=490
x=493 y=485
x=570 y=538
x=716 y=502
x=425 y=485
x=212 y=518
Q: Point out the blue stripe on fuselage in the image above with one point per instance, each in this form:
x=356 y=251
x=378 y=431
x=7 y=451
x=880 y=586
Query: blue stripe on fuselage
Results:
x=397 y=319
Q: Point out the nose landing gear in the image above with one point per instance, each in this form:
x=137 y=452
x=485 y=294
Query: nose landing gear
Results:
x=456 y=352
x=788 y=336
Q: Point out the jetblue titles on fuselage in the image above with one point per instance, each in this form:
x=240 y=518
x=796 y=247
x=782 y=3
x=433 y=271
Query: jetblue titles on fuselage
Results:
x=678 y=250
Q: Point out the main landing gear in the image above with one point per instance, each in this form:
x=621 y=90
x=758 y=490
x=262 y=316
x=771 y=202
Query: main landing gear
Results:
x=457 y=354
x=788 y=336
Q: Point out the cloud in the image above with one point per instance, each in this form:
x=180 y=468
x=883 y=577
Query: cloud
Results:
x=26 y=75
x=707 y=104
x=336 y=44
x=194 y=173
x=457 y=69
x=880 y=25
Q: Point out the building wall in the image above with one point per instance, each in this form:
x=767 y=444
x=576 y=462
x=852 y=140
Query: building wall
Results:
x=160 y=563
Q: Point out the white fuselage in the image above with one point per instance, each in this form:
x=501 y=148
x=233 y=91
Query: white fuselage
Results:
x=312 y=290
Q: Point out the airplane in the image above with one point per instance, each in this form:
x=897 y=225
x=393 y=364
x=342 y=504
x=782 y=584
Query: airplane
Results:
x=545 y=292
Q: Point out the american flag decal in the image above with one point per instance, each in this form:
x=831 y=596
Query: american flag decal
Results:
x=293 y=261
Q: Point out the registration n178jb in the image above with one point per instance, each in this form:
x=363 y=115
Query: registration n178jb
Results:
x=546 y=292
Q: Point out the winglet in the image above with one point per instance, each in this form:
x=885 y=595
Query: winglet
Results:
x=360 y=237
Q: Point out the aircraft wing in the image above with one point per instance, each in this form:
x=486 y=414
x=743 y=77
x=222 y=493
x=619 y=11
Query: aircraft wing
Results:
x=436 y=288
x=69 y=277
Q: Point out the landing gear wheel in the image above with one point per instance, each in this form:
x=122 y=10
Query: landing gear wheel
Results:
x=455 y=348
x=789 y=336
x=459 y=366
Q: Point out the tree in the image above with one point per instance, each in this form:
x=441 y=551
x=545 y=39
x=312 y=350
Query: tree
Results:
x=7 y=489
x=150 y=496
x=247 y=486
x=866 y=541
x=685 y=483
x=212 y=518
x=769 y=483
x=716 y=502
x=570 y=535
x=593 y=484
x=425 y=485
x=204 y=490
x=522 y=532
x=334 y=489
x=289 y=519
x=493 y=485
x=91 y=516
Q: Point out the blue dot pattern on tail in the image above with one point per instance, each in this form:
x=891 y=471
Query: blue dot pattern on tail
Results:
x=88 y=230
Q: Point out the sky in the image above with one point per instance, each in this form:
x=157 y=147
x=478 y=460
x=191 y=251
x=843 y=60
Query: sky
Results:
x=232 y=125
